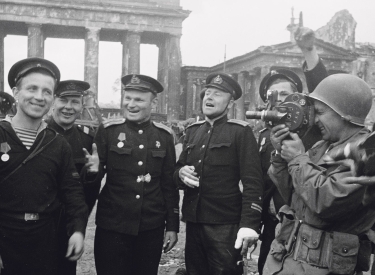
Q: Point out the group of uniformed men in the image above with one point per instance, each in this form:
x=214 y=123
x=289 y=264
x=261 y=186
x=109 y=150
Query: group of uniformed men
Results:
x=51 y=171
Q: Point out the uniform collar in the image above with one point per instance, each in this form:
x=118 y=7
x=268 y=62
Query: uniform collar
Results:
x=138 y=126
x=54 y=125
x=219 y=121
x=42 y=126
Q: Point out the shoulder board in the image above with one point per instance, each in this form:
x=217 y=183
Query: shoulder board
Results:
x=200 y=122
x=111 y=122
x=87 y=130
x=239 y=122
x=317 y=144
x=164 y=127
x=264 y=129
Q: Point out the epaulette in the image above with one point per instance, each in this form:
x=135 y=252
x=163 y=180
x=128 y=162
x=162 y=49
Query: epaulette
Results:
x=239 y=122
x=264 y=129
x=87 y=130
x=200 y=122
x=164 y=127
x=111 y=122
x=318 y=143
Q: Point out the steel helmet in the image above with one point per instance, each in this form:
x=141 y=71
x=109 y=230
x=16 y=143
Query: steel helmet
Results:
x=347 y=95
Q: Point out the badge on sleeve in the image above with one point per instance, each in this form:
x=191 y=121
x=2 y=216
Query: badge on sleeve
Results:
x=121 y=138
x=4 y=148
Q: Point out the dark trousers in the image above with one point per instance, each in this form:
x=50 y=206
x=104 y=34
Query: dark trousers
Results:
x=268 y=235
x=209 y=249
x=122 y=254
x=28 y=247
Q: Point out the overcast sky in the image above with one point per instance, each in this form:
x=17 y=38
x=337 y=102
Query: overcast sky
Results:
x=241 y=25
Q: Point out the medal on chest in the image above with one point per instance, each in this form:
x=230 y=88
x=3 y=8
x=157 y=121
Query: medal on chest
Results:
x=4 y=148
x=157 y=144
x=121 y=138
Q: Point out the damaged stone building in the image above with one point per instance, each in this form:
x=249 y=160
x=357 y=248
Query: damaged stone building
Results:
x=335 y=45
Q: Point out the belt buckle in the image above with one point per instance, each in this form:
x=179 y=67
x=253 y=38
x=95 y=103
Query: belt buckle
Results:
x=31 y=216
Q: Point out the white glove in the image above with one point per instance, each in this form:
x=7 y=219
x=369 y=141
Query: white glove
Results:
x=245 y=237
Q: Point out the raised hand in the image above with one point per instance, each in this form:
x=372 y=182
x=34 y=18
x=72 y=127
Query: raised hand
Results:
x=92 y=160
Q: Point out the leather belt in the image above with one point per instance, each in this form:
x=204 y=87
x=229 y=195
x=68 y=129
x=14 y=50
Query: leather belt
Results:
x=25 y=216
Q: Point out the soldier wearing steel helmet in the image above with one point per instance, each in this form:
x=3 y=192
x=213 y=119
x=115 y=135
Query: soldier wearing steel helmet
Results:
x=285 y=82
x=217 y=153
x=324 y=224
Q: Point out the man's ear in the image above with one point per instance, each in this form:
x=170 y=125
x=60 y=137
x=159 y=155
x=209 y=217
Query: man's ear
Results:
x=230 y=104
x=15 y=92
x=154 y=102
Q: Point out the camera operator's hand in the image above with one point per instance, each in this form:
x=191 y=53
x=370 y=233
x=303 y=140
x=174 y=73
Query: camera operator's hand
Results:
x=278 y=134
x=305 y=38
x=188 y=176
x=291 y=148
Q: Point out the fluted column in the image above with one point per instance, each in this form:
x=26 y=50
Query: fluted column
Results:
x=35 y=41
x=190 y=97
x=125 y=61
x=169 y=74
x=134 y=47
x=240 y=103
x=92 y=39
x=2 y=36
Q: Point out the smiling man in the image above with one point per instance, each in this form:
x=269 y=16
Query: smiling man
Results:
x=37 y=175
x=67 y=107
x=328 y=232
x=217 y=154
x=138 y=206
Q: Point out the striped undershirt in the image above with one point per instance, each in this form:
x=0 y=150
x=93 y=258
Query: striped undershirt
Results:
x=27 y=136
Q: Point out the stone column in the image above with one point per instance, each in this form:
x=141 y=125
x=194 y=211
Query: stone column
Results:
x=169 y=74
x=240 y=103
x=163 y=74
x=125 y=62
x=134 y=50
x=35 y=41
x=190 y=97
x=92 y=58
x=2 y=36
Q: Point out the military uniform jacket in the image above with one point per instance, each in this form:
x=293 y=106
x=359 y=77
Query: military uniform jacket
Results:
x=80 y=137
x=222 y=154
x=318 y=192
x=44 y=182
x=313 y=78
x=139 y=193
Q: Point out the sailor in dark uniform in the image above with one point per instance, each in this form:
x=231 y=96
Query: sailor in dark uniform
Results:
x=67 y=107
x=138 y=212
x=37 y=176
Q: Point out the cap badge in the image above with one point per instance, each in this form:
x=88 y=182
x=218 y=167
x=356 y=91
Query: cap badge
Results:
x=218 y=80
x=273 y=72
x=135 y=80
x=71 y=86
x=38 y=65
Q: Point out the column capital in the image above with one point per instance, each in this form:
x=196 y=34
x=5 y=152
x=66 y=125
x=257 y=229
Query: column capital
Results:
x=34 y=25
x=92 y=29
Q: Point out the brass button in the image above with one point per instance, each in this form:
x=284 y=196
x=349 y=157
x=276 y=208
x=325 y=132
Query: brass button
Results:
x=315 y=242
x=203 y=146
x=137 y=197
x=141 y=146
x=199 y=161
x=304 y=239
x=140 y=163
x=140 y=132
x=345 y=250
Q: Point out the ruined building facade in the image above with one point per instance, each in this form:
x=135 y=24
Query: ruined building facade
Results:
x=335 y=45
x=130 y=22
